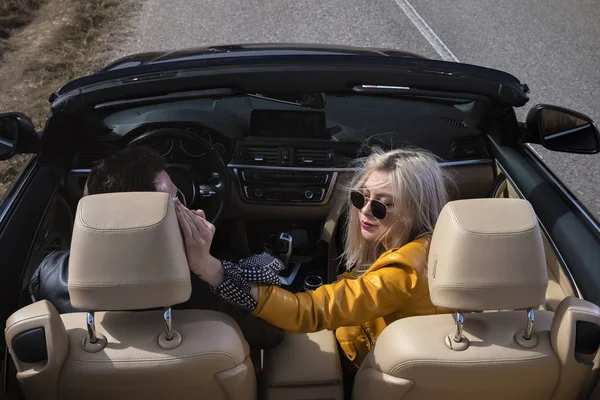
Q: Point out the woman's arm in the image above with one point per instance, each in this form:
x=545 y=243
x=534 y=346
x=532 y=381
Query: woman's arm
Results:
x=343 y=303
x=347 y=302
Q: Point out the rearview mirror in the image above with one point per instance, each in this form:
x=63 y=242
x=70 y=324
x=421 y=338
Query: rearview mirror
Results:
x=564 y=130
x=17 y=135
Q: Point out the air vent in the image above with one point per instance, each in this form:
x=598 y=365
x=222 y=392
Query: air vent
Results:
x=90 y=155
x=314 y=157
x=455 y=123
x=472 y=147
x=261 y=155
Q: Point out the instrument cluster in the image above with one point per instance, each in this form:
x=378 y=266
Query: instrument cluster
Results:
x=173 y=148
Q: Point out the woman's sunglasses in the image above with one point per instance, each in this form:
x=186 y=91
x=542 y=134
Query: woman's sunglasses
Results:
x=378 y=209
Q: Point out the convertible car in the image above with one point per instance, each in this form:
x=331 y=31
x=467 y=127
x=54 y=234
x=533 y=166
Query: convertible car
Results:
x=263 y=138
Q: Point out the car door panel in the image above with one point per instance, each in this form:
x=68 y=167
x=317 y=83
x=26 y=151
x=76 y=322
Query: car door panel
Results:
x=574 y=236
x=559 y=285
x=18 y=230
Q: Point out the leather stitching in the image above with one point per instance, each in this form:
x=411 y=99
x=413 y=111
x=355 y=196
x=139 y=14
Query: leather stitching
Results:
x=515 y=233
x=128 y=283
x=86 y=226
x=153 y=360
x=466 y=363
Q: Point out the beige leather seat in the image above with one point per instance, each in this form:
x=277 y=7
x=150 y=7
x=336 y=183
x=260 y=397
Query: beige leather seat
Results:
x=486 y=254
x=127 y=254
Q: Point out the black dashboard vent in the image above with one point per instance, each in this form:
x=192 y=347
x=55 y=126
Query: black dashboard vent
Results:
x=455 y=123
x=261 y=155
x=89 y=155
x=470 y=147
x=314 y=157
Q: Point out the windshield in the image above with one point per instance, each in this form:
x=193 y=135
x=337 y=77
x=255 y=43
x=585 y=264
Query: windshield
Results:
x=358 y=119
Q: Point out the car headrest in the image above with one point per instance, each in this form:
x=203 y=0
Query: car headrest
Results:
x=487 y=254
x=127 y=253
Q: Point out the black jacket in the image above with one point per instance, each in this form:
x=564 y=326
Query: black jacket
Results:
x=50 y=282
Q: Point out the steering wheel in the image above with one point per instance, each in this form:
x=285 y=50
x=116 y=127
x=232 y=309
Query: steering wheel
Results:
x=206 y=185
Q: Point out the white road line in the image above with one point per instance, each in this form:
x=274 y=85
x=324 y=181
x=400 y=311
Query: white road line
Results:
x=426 y=31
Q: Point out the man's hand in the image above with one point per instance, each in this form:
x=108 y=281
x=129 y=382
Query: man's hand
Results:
x=197 y=235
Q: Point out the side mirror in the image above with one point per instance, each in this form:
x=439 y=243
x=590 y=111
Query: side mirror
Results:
x=561 y=129
x=17 y=135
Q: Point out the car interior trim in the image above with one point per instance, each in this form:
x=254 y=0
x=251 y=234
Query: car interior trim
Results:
x=564 y=191
x=271 y=167
x=8 y=202
x=277 y=168
x=556 y=251
x=578 y=242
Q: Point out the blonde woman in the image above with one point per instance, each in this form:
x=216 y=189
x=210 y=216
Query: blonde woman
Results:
x=393 y=205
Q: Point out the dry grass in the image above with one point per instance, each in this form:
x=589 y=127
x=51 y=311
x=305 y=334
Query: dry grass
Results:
x=15 y=14
x=49 y=42
x=80 y=44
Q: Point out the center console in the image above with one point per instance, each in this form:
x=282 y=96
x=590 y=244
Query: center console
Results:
x=296 y=244
x=303 y=366
x=261 y=185
x=286 y=185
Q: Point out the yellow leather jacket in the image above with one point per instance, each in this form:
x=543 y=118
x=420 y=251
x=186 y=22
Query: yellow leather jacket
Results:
x=358 y=308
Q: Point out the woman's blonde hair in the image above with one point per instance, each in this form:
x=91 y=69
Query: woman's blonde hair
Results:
x=419 y=193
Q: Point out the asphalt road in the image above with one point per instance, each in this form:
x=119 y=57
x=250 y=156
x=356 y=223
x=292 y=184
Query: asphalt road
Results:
x=552 y=45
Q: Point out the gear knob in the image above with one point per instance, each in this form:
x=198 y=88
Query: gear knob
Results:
x=284 y=247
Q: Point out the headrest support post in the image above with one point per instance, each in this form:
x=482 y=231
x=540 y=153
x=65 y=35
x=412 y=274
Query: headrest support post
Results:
x=460 y=320
x=91 y=327
x=530 y=321
x=168 y=324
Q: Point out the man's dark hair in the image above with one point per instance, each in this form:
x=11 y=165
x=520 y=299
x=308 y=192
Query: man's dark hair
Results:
x=132 y=169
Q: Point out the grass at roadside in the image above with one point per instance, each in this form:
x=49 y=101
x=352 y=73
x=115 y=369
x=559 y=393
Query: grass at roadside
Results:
x=15 y=14
x=77 y=47
x=76 y=50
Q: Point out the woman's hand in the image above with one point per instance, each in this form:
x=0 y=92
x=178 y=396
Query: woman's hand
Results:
x=197 y=235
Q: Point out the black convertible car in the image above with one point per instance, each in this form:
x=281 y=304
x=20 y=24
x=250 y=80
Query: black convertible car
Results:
x=262 y=137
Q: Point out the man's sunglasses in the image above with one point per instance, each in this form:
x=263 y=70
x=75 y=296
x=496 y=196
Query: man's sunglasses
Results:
x=378 y=209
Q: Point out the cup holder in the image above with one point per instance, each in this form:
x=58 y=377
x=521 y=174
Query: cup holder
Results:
x=311 y=282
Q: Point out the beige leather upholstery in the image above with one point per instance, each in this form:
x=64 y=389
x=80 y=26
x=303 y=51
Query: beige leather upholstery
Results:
x=411 y=358
x=304 y=366
x=502 y=256
x=559 y=285
x=127 y=253
x=211 y=362
x=39 y=379
x=487 y=254
x=575 y=367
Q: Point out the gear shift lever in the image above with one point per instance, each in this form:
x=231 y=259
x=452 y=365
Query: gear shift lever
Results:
x=284 y=247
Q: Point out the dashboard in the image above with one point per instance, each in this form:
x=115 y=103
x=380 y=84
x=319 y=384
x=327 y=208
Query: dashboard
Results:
x=284 y=159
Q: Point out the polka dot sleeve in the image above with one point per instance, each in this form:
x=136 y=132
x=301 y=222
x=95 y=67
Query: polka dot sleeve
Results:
x=235 y=288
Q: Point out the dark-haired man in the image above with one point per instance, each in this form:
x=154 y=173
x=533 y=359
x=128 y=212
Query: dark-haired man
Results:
x=139 y=169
